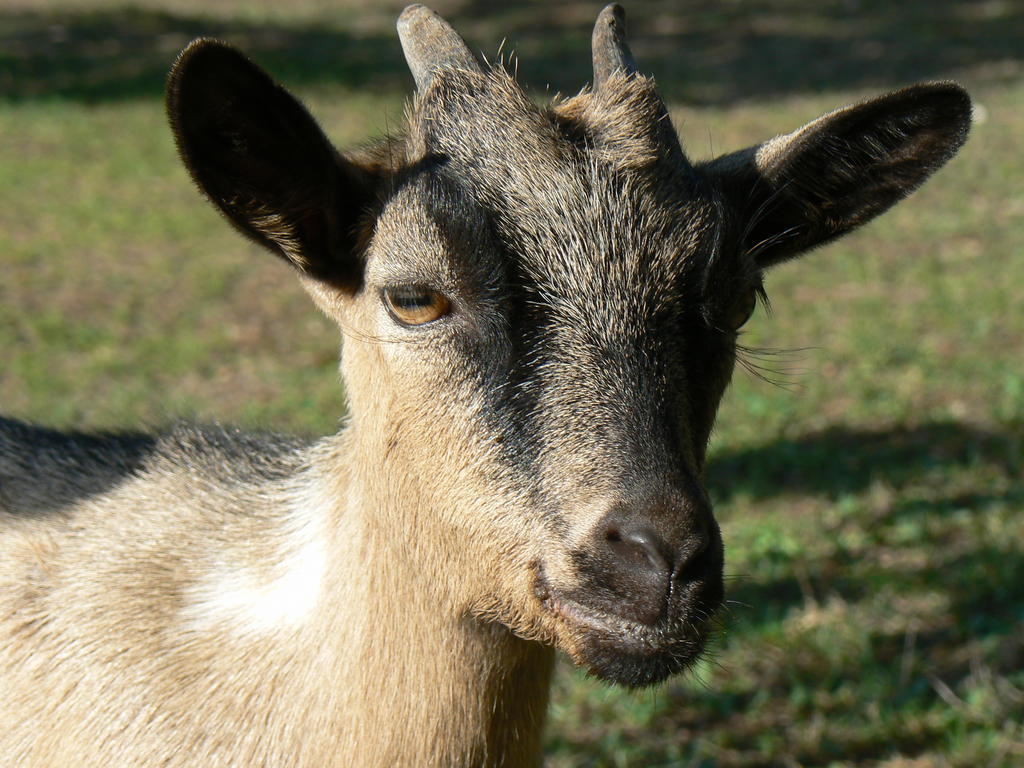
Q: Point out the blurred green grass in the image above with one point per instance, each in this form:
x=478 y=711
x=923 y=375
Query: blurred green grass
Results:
x=871 y=506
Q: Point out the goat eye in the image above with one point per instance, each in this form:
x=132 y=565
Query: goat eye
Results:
x=415 y=305
x=742 y=309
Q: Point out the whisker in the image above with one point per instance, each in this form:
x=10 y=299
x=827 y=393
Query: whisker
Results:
x=774 y=366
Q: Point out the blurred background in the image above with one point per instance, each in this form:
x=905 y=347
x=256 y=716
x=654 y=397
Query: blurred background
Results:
x=869 y=481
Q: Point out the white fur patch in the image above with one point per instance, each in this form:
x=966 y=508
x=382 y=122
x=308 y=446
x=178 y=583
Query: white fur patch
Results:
x=282 y=597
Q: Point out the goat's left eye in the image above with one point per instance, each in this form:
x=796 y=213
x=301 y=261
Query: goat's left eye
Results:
x=742 y=308
x=415 y=305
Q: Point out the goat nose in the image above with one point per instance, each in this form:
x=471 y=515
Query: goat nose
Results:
x=641 y=567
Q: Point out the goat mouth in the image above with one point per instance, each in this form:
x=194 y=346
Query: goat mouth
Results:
x=622 y=650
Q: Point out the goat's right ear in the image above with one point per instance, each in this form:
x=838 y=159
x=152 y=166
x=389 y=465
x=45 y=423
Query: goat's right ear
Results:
x=262 y=159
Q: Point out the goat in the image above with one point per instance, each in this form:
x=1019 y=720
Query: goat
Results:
x=540 y=308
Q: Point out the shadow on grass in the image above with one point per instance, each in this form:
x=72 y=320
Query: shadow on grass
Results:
x=95 y=56
x=987 y=588
x=927 y=547
x=702 y=51
x=960 y=662
x=840 y=461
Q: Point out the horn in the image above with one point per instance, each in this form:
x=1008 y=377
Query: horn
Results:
x=429 y=44
x=611 y=54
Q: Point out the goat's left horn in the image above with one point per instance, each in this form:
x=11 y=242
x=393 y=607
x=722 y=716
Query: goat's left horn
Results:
x=429 y=44
x=611 y=53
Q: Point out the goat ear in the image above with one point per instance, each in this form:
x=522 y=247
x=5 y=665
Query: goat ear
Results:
x=805 y=188
x=261 y=158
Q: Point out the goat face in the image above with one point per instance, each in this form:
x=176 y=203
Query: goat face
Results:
x=540 y=308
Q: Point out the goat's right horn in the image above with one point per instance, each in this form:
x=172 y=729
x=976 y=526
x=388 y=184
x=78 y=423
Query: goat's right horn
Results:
x=611 y=53
x=429 y=44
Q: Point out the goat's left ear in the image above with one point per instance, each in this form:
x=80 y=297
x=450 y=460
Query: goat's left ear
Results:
x=262 y=159
x=805 y=188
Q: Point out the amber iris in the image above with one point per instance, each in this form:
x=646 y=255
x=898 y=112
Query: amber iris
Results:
x=414 y=304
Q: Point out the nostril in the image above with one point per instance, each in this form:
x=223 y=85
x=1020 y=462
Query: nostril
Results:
x=652 y=546
x=689 y=560
x=642 y=546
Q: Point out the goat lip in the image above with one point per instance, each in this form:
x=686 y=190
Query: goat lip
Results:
x=632 y=636
x=642 y=636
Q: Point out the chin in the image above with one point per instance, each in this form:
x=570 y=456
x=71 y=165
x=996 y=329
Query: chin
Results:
x=635 y=667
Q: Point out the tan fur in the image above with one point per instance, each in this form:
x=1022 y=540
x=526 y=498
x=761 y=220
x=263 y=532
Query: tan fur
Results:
x=399 y=648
